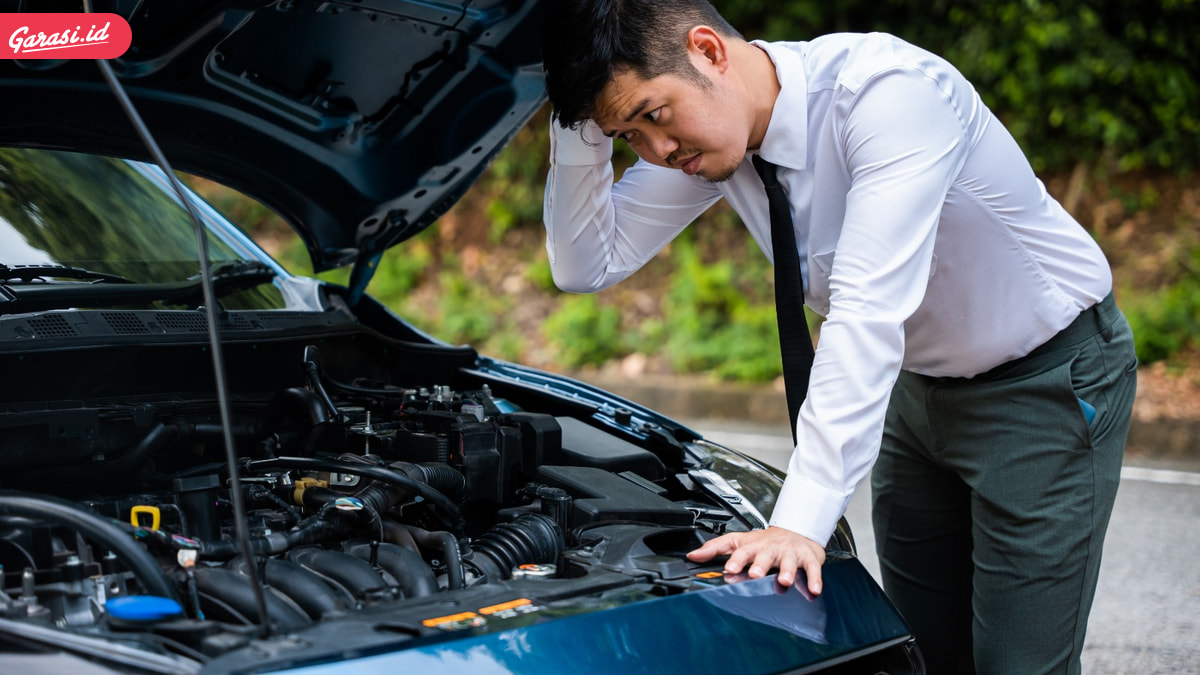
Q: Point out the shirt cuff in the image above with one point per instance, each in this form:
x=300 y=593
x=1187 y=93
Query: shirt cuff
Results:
x=583 y=146
x=809 y=508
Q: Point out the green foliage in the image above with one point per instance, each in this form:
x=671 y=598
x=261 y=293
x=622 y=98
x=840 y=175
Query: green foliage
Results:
x=715 y=324
x=1166 y=322
x=744 y=348
x=466 y=313
x=291 y=253
x=584 y=332
x=1133 y=201
x=402 y=268
x=521 y=203
x=539 y=274
x=1110 y=79
x=250 y=214
x=513 y=185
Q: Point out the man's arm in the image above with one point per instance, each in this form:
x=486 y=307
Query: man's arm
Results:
x=904 y=144
x=598 y=233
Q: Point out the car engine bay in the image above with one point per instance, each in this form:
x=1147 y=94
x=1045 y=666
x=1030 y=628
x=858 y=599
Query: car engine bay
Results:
x=382 y=477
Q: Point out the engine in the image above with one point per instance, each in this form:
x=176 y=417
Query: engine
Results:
x=358 y=496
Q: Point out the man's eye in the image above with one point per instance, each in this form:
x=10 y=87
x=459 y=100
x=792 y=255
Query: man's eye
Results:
x=653 y=114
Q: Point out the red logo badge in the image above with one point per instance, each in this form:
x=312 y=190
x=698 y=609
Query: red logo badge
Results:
x=64 y=36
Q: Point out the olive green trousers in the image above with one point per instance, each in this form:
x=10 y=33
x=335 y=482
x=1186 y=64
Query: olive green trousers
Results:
x=992 y=495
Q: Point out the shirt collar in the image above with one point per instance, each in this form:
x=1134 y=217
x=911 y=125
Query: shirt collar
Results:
x=786 y=141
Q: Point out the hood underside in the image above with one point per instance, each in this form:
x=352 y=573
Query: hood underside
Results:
x=359 y=122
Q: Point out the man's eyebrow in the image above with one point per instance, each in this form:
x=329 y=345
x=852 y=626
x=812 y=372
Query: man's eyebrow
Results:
x=637 y=110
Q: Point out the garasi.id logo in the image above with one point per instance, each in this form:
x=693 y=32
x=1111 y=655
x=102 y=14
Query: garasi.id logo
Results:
x=64 y=35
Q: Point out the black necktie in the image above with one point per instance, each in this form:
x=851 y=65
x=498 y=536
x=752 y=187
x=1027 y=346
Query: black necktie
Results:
x=795 y=342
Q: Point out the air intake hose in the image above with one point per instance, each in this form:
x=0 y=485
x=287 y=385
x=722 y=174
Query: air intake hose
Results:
x=531 y=538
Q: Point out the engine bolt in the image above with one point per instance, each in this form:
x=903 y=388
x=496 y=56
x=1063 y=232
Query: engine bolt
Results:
x=534 y=571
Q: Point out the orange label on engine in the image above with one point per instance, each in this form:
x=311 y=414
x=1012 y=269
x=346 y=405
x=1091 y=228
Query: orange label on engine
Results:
x=710 y=575
x=461 y=616
x=512 y=604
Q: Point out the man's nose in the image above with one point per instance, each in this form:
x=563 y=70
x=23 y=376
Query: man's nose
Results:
x=661 y=145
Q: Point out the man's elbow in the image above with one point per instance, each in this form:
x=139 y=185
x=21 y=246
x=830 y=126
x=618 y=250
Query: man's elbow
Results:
x=570 y=283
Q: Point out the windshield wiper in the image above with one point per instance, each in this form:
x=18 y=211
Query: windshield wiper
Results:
x=42 y=271
x=243 y=270
x=227 y=278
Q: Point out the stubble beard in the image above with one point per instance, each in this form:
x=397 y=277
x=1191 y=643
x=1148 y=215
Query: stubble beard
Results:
x=727 y=172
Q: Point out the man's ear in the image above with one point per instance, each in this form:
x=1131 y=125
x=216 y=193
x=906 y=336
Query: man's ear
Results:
x=707 y=46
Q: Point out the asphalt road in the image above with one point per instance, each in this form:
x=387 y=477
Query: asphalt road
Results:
x=1146 y=617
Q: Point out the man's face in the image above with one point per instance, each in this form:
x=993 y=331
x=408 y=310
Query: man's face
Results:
x=675 y=122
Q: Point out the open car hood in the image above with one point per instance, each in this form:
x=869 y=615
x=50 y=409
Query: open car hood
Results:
x=358 y=121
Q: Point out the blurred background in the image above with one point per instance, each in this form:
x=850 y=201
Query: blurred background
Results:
x=1104 y=97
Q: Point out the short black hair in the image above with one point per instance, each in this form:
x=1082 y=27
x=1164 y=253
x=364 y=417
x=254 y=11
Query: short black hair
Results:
x=586 y=42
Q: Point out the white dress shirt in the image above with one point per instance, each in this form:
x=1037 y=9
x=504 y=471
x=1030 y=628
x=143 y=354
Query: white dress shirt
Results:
x=925 y=239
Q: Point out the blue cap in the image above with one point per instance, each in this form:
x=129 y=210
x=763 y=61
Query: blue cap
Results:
x=143 y=608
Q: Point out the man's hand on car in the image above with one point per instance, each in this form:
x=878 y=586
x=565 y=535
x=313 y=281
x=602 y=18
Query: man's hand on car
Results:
x=764 y=550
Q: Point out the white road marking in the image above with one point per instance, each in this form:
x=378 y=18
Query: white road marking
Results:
x=1161 y=476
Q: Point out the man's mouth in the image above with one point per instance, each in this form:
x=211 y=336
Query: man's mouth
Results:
x=691 y=165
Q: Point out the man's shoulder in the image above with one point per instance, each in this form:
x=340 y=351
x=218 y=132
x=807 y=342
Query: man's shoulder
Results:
x=850 y=59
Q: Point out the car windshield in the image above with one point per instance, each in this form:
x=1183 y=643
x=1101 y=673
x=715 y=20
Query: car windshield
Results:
x=102 y=215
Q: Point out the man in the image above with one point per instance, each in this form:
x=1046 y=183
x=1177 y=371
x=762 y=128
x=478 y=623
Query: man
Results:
x=971 y=351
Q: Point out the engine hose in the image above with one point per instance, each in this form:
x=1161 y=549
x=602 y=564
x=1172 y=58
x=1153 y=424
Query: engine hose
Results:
x=233 y=591
x=227 y=549
x=443 y=478
x=290 y=401
x=531 y=538
x=304 y=403
x=355 y=575
x=61 y=512
x=308 y=590
x=311 y=531
x=312 y=366
x=440 y=476
x=395 y=533
x=413 y=575
x=261 y=493
x=447 y=545
x=443 y=503
x=161 y=436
